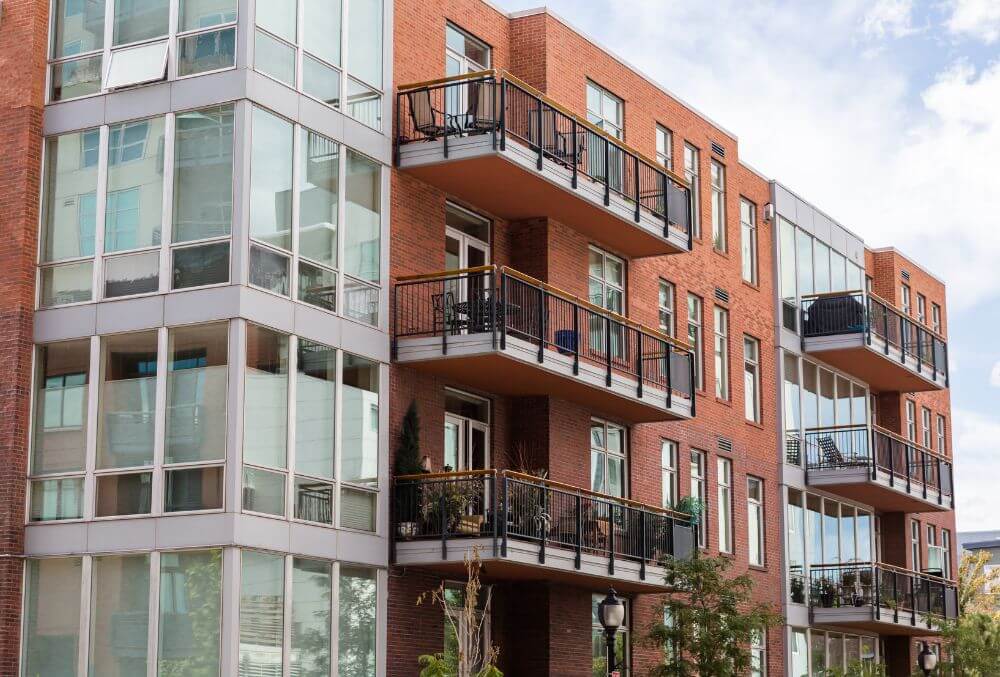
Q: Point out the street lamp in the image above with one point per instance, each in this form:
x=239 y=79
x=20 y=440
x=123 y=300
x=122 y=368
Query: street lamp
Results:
x=611 y=614
x=927 y=660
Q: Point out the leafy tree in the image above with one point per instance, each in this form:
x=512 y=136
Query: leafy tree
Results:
x=973 y=639
x=709 y=620
x=408 y=451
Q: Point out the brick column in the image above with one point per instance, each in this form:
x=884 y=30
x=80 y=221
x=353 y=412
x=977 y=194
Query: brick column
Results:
x=23 y=31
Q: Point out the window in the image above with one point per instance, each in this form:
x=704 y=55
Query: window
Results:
x=800 y=653
x=312 y=590
x=936 y=317
x=748 y=240
x=604 y=110
x=190 y=598
x=127 y=400
x=666 y=307
x=691 y=173
x=315 y=438
x=464 y=53
x=265 y=420
x=751 y=379
x=607 y=458
x=724 y=479
x=721 y=317
x=911 y=420
x=119 y=593
x=664 y=146
x=946 y=552
x=921 y=309
x=668 y=468
x=905 y=299
x=942 y=444
x=262 y=602
x=360 y=437
x=925 y=427
x=758 y=655
x=606 y=288
x=599 y=643
x=281 y=41
x=718 y=172
x=699 y=491
x=695 y=338
x=357 y=628
x=51 y=631
x=915 y=545
x=318 y=187
x=755 y=520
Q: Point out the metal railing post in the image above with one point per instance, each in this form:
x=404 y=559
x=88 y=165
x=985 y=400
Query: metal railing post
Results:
x=542 y=525
x=578 y=560
x=541 y=325
x=638 y=214
x=670 y=382
x=444 y=526
x=642 y=545
x=492 y=84
x=494 y=331
x=920 y=351
x=399 y=131
x=444 y=318
x=909 y=467
x=504 y=516
x=611 y=539
x=638 y=363
x=892 y=462
x=895 y=597
x=885 y=327
x=503 y=305
x=874 y=443
x=492 y=482
x=607 y=347
x=607 y=172
x=877 y=599
x=541 y=146
x=666 y=205
x=694 y=398
x=902 y=339
x=576 y=340
x=503 y=115
x=923 y=470
x=576 y=150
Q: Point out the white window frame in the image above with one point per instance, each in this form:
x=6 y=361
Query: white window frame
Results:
x=915 y=544
x=758 y=654
x=696 y=337
x=724 y=482
x=935 y=317
x=905 y=299
x=692 y=172
x=755 y=514
x=699 y=489
x=666 y=300
x=668 y=472
x=664 y=146
x=925 y=427
x=751 y=379
x=606 y=452
x=942 y=440
x=946 y=548
x=921 y=309
x=748 y=240
x=911 y=421
x=718 y=205
x=613 y=126
x=466 y=64
x=720 y=327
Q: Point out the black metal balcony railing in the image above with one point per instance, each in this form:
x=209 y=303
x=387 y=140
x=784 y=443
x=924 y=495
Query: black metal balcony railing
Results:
x=897 y=595
x=498 y=104
x=858 y=312
x=505 y=506
x=908 y=465
x=505 y=303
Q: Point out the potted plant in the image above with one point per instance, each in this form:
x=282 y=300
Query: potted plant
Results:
x=798 y=590
x=408 y=463
x=827 y=592
x=454 y=498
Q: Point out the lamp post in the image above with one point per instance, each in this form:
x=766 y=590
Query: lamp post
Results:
x=927 y=660
x=611 y=614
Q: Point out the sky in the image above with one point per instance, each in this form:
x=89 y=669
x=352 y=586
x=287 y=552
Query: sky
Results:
x=885 y=114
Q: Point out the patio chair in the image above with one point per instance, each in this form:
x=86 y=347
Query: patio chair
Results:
x=831 y=454
x=483 y=110
x=427 y=119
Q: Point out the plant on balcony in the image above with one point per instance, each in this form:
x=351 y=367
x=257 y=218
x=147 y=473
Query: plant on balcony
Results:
x=408 y=463
x=453 y=498
x=710 y=619
x=798 y=590
x=826 y=589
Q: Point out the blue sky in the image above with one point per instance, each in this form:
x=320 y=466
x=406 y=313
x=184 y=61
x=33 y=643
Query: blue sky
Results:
x=883 y=113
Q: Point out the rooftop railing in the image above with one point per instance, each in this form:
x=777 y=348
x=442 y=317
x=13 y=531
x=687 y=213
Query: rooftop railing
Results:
x=505 y=506
x=858 y=312
x=497 y=104
x=507 y=304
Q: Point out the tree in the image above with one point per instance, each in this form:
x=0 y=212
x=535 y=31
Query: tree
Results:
x=973 y=639
x=709 y=619
x=464 y=655
x=408 y=451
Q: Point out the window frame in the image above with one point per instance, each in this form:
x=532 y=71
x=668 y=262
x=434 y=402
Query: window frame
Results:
x=720 y=235
x=692 y=172
x=755 y=514
x=751 y=371
x=666 y=303
x=696 y=337
x=606 y=454
x=941 y=431
x=724 y=486
x=748 y=241
x=614 y=127
x=925 y=428
x=720 y=330
x=664 y=150
x=669 y=487
x=698 y=471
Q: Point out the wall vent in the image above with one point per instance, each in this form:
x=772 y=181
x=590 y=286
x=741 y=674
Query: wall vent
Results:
x=722 y=295
x=905 y=274
x=718 y=149
x=725 y=444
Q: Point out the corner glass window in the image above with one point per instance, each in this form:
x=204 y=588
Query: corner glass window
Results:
x=51 y=632
x=137 y=20
x=197 y=393
x=190 y=622
x=127 y=401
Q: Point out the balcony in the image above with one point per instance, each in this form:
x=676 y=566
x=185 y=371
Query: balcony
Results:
x=880 y=598
x=497 y=143
x=504 y=332
x=870 y=339
x=900 y=476
x=526 y=528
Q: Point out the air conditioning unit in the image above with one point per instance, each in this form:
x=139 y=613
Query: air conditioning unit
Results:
x=769 y=212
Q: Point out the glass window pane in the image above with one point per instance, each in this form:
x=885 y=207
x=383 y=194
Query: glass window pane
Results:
x=269 y=270
x=60 y=431
x=119 y=616
x=364 y=39
x=271 y=180
x=357 y=509
x=134 y=206
x=203 y=174
x=317 y=286
x=137 y=65
x=821 y=254
x=129 y=275
x=200 y=266
x=361 y=301
x=262 y=601
x=79 y=77
x=312 y=594
x=838 y=272
x=278 y=17
x=205 y=52
x=69 y=283
x=77 y=27
x=787 y=253
x=321 y=29
x=804 y=259
x=137 y=20
x=52 y=617
x=274 y=58
x=320 y=81
x=196 y=393
x=364 y=104
x=126 y=421
x=319 y=175
x=263 y=491
x=193 y=489
x=357 y=629
x=194 y=14
x=68 y=206
x=360 y=420
x=190 y=613
x=361 y=250
x=130 y=494
x=315 y=391
x=313 y=500
x=266 y=397
x=57 y=499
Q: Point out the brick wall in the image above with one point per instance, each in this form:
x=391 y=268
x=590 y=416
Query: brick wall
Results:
x=23 y=39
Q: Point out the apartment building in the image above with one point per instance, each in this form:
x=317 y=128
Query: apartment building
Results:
x=196 y=336
x=595 y=308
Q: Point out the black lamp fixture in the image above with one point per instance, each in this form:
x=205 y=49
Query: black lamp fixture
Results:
x=611 y=614
x=927 y=660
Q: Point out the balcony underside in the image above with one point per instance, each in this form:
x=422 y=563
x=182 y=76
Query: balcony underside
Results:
x=472 y=360
x=522 y=564
x=882 y=372
x=857 y=484
x=883 y=621
x=508 y=184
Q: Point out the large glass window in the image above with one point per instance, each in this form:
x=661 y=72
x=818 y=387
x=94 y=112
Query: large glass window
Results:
x=665 y=302
x=262 y=603
x=127 y=419
x=751 y=379
x=271 y=186
x=755 y=520
x=719 y=235
x=312 y=594
x=119 y=615
x=748 y=240
x=692 y=162
x=724 y=481
x=51 y=633
x=315 y=440
x=721 y=317
x=607 y=459
x=356 y=626
x=203 y=176
x=694 y=336
x=134 y=205
x=61 y=388
x=362 y=244
x=197 y=393
x=668 y=467
x=359 y=442
x=699 y=490
x=189 y=625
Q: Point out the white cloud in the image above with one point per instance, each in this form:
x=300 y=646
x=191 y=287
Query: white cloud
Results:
x=979 y=19
x=974 y=440
x=995 y=375
x=893 y=18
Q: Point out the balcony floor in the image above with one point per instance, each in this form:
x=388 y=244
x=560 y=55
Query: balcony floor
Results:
x=864 y=618
x=509 y=185
x=856 y=483
x=883 y=373
x=471 y=359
